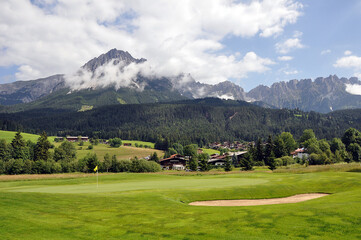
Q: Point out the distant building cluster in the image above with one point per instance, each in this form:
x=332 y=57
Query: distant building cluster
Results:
x=179 y=162
x=72 y=139
x=229 y=145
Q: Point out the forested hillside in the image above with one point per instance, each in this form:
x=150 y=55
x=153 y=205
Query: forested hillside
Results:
x=191 y=121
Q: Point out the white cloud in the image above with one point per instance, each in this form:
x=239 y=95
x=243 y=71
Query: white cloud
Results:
x=349 y=62
x=290 y=72
x=354 y=89
x=285 y=58
x=50 y=37
x=358 y=75
x=26 y=71
x=324 y=52
x=289 y=45
x=347 y=52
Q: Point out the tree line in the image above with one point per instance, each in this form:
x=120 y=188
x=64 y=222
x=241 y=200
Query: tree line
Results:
x=198 y=121
x=26 y=157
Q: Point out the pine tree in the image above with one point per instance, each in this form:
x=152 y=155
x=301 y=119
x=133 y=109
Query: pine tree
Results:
x=271 y=162
x=154 y=157
x=41 y=151
x=193 y=163
x=279 y=147
x=4 y=150
x=18 y=147
x=234 y=160
x=246 y=162
x=259 y=151
x=269 y=150
x=203 y=162
x=228 y=164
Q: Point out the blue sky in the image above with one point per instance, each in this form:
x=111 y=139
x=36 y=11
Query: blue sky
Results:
x=247 y=42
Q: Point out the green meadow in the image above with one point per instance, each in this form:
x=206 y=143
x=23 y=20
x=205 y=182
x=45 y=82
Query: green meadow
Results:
x=155 y=206
x=9 y=135
x=122 y=152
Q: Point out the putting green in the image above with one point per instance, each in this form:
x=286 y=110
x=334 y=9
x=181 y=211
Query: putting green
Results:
x=142 y=185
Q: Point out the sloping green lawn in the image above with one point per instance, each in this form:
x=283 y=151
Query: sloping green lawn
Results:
x=9 y=135
x=155 y=206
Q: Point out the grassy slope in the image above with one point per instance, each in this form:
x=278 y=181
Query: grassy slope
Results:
x=9 y=135
x=133 y=142
x=121 y=152
x=154 y=206
x=210 y=151
x=101 y=149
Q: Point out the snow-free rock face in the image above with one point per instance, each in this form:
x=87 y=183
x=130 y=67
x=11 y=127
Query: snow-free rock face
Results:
x=322 y=95
x=114 y=54
x=28 y=91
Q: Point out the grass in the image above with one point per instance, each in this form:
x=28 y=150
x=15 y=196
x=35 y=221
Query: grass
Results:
x=340 y=167
x=85 y=108
x=100 y=150
x=9 y=135
x=133 y=142
x=122 y=152
x=155 y=206
x=210 y=151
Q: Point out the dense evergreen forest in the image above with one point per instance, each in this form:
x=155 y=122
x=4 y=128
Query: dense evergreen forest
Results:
x=191 y=121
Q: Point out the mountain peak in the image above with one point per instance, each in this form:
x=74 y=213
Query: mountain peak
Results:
x=113 y=54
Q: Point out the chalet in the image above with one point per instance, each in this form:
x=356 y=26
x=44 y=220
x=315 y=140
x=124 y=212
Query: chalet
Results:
x=76 y=139
x=220 y=160
x=217 y=160
x=300 y=153
x=175 y=162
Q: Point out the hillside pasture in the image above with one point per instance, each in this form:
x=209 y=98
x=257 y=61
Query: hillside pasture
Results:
x=122 y=152
x=9 y=135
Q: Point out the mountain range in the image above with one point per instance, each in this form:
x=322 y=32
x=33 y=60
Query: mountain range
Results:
x=117 y=78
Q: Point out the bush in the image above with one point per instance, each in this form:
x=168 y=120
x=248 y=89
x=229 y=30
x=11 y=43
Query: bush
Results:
x=319 y=159
x=68 y=167
x=88 y=163
x=115 y=142
x=28 y=166
x=287 y=160
x=90 y=147
x=279 y=162
x=42 y=166
x=125 y=165
x=2 y=167
x=14 y=166
x=142 y=165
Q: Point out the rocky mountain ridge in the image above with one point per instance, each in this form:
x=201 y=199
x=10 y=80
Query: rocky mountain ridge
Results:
x=321 y=95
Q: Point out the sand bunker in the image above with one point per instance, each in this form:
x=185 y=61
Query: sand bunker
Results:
x=255 y=202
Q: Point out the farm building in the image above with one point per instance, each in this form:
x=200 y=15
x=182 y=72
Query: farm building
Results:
x=127 y=144
x=76 y=139
x=175 y=162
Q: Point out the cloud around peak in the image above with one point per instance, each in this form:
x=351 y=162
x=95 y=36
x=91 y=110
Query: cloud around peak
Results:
x=45 y=37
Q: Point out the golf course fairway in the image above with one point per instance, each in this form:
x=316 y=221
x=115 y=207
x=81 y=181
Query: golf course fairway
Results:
x=155 y=206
